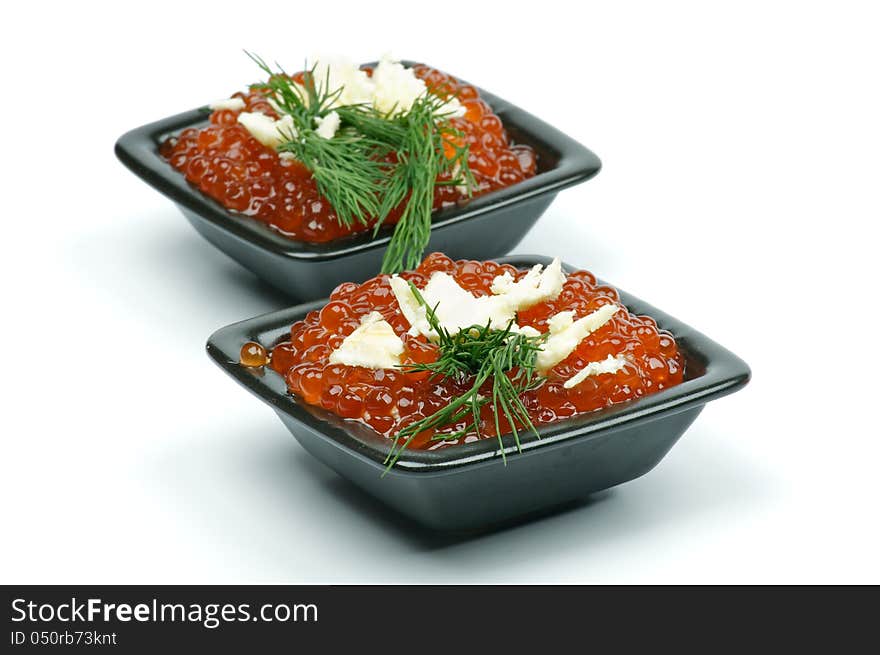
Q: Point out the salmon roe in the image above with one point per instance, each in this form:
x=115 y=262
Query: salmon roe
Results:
x=225 y=162
x=253 y=355
x=388 y=400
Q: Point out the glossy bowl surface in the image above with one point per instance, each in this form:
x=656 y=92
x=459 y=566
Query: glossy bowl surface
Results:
x=486 y=227
x=469 y=486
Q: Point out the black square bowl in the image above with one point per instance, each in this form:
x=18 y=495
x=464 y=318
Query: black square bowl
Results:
x=469 y=486
x=484 y=228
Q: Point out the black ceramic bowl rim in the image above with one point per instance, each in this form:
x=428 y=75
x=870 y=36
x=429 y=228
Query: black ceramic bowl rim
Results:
x=138 y=150
x=711 y=371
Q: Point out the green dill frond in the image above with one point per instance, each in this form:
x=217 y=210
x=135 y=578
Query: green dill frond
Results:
x=485 y=354
x=377 y=162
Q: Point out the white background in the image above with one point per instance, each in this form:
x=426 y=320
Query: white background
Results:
x=741 y=154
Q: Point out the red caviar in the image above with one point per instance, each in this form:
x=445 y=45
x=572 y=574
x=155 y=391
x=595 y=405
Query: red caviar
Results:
x=225 y=162
x=253 y=355
x=388 y=400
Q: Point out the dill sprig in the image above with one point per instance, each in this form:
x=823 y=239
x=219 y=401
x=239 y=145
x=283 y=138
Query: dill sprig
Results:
x=376 y=162
x=421 y=158
x=504 y=357
x=347 y=169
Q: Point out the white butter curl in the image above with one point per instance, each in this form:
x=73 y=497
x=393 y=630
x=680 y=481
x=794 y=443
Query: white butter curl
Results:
x=373 y=344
